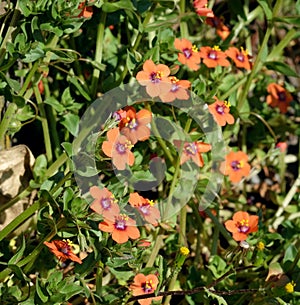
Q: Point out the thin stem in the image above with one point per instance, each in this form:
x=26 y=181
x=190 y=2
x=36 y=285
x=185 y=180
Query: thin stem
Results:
x=43 y=118
x=51 y=114
x=29 y=77
x=158 y=244
x=21 y=218
x=9 y=113
x=137 y=41
x=260 y=59
x=183 y=25
x=98 y=52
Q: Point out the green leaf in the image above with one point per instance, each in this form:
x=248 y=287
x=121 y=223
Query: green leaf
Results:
x=40 y=292
x=295 y=20
x=122 y=276
x=73 y=80
x=71 y=122
x=34 y=54
x=19 y=253
x=267 y=10
x=18 y=272
x=119 y=5
x=55 y=104
x=281 y=67
x=290 y=254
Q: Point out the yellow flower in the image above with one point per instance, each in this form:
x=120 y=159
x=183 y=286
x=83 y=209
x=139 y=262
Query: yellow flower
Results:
x=184 y=251
x=289 y=287
x=260 y=246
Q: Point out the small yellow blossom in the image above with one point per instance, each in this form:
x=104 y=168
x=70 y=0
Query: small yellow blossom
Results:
x=289 y=287
x=260 y=246
x=184 y=251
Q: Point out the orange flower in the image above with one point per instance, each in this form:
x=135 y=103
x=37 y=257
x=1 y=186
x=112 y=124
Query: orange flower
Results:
x=145 y=207
x=155 y=78
x=242 y=225
x=105 y=203
x=220 y=111
x=213 y=57
x=282 y=146
x=178 y=90
x=201 y=8
x=62 y=249
x=190 y=55
x=235 y=166
x=118 y=148
x=221 y=29
x=144 y=284
x=134 y=125
x=278 y=97
x=240 y=57
x=193 y=151
x=86 y=11
x=122 y=228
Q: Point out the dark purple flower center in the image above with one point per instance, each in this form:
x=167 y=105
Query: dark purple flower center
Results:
x=235 y=165
x=243 y=229
x=120 y=224
x=155 y=77
x=121 y=148
x=240 y=57
x=191 y=149
x=65 y=249
x=220 y=109
x=133 y=124
x=106 y=203
x=147 y=286
x=187 y=53
x=145 y=209
x=282 y=96
x=212 y=55
x=174 y=88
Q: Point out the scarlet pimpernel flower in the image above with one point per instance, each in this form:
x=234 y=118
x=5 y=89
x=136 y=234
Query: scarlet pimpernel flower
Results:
x=134 y=125
x=278 y=97
x=221 y=29
x=144 y=284
x=86 y=11
x=241 y=225
x=155 y=78
x=202 y=9
x=240 y=57
x=213 y=57
x=118 y=148
x=220 y=111
x=190 y=55
x=235 y=166
x=122 y=228
x=105 y=203
x=192 y=150
x=145 y=207
x=62 y=249
x=178 y=90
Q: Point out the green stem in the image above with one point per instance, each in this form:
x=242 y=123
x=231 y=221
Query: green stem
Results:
x=137 y=41
x=21 y=218
x=260 y=59
x=43 y=118
x=11 y=28
x=51 y=114
x=98 y=53
x=220 y=227
x=158 y=244
x=9 y=113
x=20 y=196
x=234 y=88
x=29 y=77
x=183 y=25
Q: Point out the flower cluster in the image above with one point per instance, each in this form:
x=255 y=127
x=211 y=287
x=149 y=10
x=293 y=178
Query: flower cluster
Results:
x=133 y=127
x=116 y=220
x=211 y=56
